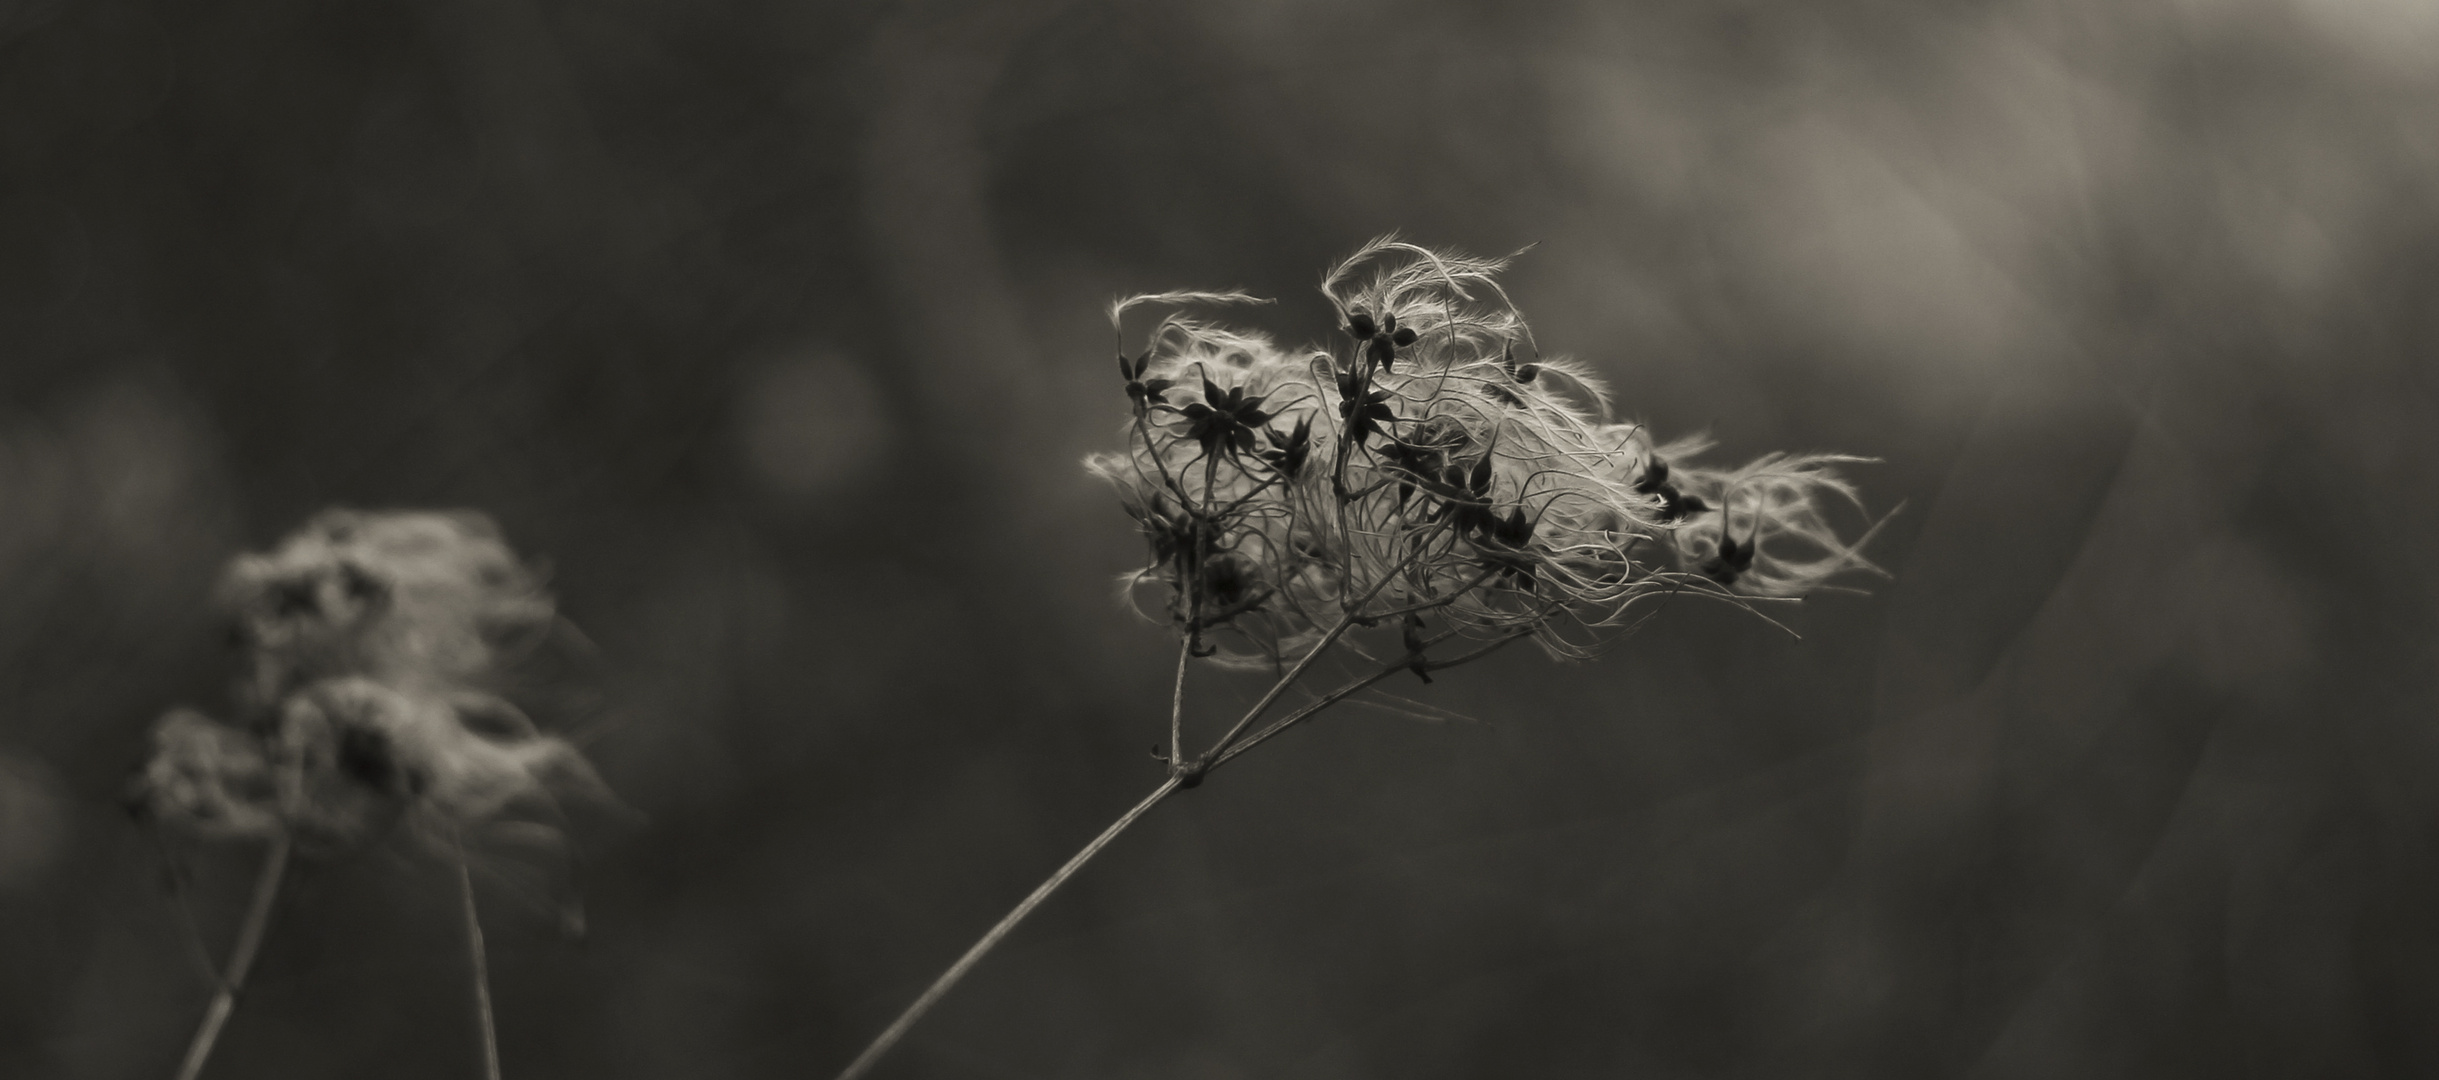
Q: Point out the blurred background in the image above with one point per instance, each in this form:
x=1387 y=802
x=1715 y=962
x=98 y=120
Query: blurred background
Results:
x=775 y=329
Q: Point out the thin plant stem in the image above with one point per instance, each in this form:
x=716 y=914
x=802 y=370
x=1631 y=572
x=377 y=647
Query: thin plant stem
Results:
x=1316 y=705
x=1180 y=773
x=195 y=948
x=1177 y=707
x=940 y=987
x=481 y=965
x=1346 y=619
x=1219 y=755
x=1406 y=663
x=241 y=960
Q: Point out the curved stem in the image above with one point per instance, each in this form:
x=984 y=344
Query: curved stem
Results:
x=940 y=987
x=241 y=960
x=1177 y=708
x=482 y=968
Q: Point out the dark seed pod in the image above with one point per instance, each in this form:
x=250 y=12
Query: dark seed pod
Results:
x=364 y=755
x=1686 y=506
x=1361 y=325
x=1655 y=476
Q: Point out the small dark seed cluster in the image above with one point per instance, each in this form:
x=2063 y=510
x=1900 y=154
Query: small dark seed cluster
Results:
x=1426 y=477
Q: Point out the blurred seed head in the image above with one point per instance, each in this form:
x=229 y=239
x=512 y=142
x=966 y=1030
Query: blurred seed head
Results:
x=356 y=756
x=398 y=596
x=370 y=640
x=210 y=779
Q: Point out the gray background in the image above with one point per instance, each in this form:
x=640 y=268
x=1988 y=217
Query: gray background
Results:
x=775 y=328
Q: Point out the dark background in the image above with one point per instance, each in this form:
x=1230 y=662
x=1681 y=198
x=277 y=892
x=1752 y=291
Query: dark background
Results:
x=775 y=328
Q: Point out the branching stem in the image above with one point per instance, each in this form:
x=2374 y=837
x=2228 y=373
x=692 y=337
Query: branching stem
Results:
x=1220 y=754
x=1409 y=662
x=241 y=960
x=1346 y=619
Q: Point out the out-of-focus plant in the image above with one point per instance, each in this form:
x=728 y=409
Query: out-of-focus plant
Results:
x=1420 y=496
x=369 y=709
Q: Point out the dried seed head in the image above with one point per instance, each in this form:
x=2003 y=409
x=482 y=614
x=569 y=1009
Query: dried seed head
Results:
x=399 y=596
x=207 y=779
x=355 y=755
x=1440 y=477
x=371 y=639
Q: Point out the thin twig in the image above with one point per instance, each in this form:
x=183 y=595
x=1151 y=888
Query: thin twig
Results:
x=241 y=960
x=1316 y=705
x=1408 y=662
x=1181 y=773
x=940 y=986
x=195 y=948
x=1219 y=755
x=1177 y=707
x=1346 y=619
x=481 y=965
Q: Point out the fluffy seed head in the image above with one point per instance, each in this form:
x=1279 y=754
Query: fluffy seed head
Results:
x=1432 y=464
x=207 y=778
x=398 y=596
x=355 y=756
x=371 y=638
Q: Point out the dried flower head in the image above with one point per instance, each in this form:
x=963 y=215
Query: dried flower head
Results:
x=399 y=596
x=371 y=637
x=1422 y=475
x=1436 y=467
x=372 y=641
x=354 y=756
x=212 y=779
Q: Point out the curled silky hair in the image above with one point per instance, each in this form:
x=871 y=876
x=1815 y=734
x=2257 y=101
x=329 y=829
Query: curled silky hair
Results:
x=1438 y=470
